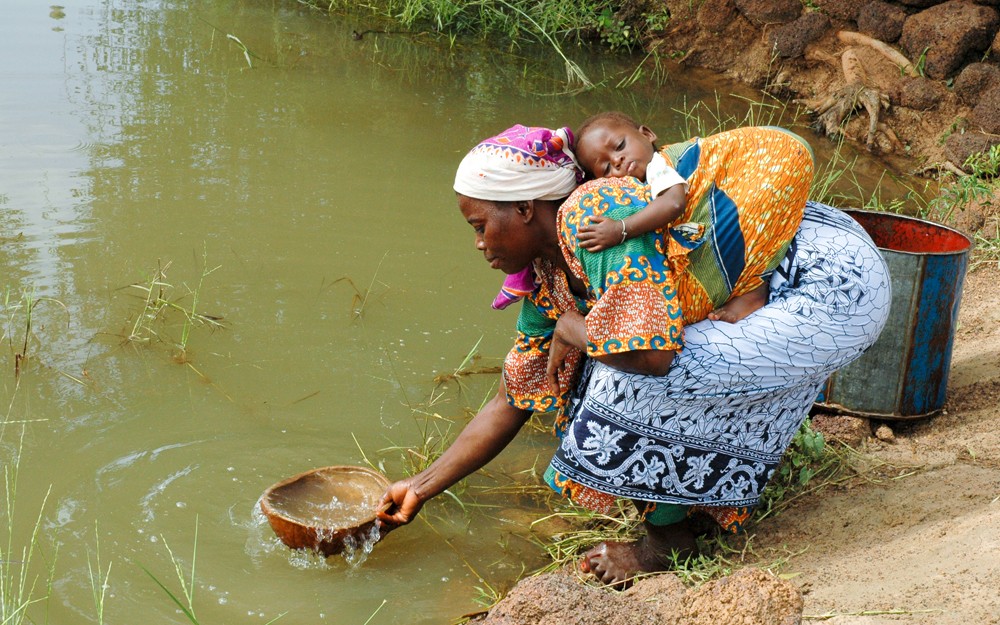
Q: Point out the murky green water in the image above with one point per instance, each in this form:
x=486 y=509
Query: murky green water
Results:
x=305 y=199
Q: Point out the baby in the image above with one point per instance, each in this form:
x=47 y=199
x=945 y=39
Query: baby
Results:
x=744 y=189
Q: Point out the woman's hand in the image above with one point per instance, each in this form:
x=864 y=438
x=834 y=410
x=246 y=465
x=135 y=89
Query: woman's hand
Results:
x=570 y=334
x=496 y=424
x=400 y=504
x=600 y=234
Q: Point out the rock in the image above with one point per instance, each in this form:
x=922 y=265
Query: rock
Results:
x=748 y=597
x=920 y=94
x=947 y=33
x=770 y=11
x=885 y=434
x=920 y=4
x=995 y=48
x=790 y=40
x=842 y=9
x=850 y=431
x=985 y=116
x=664 y=593
x=973 y=80
x=558 y=599
x=715 y=15
x=960 y=146
x=882 y=20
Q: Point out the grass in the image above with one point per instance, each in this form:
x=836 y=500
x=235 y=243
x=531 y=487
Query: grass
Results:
x=987 y=250
x=184 y=599
x=20 y=586
x=556 y=24
x=161 y=301
x=99 y=578
x=359 y=300
x=20 y=313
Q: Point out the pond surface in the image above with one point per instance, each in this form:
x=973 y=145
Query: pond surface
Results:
x=230 y=254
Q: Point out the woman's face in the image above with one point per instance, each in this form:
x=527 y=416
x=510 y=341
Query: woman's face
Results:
x=502 y=232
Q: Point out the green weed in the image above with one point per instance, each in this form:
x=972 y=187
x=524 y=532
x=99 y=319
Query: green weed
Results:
x=987 y=250
x=160 y=300
x=20 y=586
x=20 y=312
x=359 y=300
x=978 y=184
x=185 y=600
x=99 y=578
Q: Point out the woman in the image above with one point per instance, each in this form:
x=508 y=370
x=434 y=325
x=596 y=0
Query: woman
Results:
x=673 y=422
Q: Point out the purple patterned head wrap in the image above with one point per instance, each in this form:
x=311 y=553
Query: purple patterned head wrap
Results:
x=521 y=163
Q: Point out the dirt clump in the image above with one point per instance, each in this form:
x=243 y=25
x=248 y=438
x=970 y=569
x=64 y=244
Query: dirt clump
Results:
x=749 y=596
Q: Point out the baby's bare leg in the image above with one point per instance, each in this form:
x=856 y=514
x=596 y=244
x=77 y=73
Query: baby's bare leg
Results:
x=740 y=306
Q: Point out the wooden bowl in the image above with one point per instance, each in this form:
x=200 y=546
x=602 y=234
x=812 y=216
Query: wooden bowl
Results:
x=322 y=508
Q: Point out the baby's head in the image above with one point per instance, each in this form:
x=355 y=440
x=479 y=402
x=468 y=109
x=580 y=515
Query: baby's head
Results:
x=612 y=144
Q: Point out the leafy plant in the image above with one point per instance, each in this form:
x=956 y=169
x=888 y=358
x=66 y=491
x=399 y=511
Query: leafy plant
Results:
x=615 y=33
x=808 y=465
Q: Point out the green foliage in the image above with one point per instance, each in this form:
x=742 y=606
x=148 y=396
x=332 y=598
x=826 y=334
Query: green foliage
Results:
x=807 y=460
x=987 y=250
x=160 y=300
x=21 y=586
x=978 y=185
x=615 y=33
x=921 y=64
x=20 y=312
x=621 y=24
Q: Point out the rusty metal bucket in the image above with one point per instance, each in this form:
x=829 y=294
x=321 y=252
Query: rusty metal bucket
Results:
x=904 y=375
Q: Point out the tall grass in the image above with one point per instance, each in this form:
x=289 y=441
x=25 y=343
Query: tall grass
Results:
x=21 y=584
x=20 y=322
x=160 y=300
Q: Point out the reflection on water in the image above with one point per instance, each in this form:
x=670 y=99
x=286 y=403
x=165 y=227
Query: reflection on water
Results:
x=317 y=179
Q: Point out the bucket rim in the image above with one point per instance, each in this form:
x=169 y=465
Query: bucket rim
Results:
x=971 y=243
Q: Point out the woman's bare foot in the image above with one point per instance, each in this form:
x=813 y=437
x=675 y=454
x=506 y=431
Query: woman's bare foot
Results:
x=740 y=306
x=617 y=564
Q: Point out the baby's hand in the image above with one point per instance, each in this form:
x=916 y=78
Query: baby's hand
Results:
x=600 y=234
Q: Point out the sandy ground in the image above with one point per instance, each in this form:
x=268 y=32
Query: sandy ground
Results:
x=918 y=541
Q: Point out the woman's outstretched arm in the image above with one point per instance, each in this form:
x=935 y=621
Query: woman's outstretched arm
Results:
x=483 y=438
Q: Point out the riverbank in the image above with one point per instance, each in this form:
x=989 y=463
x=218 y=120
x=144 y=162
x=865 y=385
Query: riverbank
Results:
x=910 y=539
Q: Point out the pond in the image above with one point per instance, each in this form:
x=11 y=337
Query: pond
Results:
x=231 y=253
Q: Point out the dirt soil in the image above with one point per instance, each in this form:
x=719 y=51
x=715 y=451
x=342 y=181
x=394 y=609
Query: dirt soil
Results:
x=918 y=543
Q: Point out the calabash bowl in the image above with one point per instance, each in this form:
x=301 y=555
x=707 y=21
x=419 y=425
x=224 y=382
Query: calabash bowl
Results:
x=322 y=509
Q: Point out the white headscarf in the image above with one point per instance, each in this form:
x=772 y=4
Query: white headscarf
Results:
x=521 y=163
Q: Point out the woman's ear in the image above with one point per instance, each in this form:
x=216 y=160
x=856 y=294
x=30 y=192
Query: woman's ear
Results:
x=526 y=209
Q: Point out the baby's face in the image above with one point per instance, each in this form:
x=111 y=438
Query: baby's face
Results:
x=614 y=149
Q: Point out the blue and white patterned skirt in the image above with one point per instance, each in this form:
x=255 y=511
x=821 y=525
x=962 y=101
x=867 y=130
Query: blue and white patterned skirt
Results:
x=712 y=431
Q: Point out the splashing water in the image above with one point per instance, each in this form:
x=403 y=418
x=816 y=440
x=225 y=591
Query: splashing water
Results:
x=261 y=541
x=357 y=547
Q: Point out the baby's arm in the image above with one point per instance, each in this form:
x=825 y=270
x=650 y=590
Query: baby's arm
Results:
x=603 y=232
